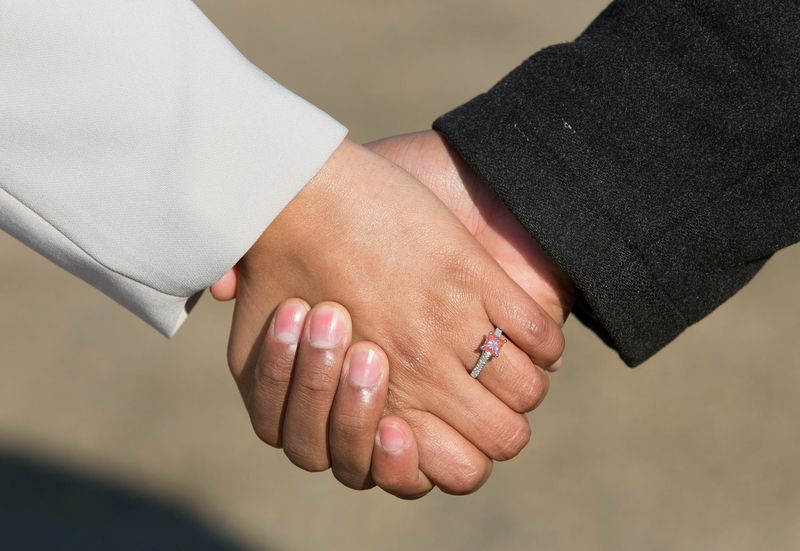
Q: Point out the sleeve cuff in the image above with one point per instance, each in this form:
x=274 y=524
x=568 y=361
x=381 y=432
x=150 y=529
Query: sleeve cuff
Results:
x=621 y=300
x=164 y=312
x=141 y=150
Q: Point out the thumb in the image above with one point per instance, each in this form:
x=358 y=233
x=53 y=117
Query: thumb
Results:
x=225 y=289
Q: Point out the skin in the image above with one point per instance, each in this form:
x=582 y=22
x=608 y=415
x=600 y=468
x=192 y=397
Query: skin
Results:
x=393 y=461
x=426 y=156
x=403 y=263
x=282 y=414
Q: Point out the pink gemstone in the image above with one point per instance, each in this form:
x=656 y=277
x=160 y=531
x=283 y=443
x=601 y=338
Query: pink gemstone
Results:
x=493 y=344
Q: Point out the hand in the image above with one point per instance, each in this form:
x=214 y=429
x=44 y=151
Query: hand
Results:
x=370 y=237
x=288 y=361
x=426 y=156
x=287 y=357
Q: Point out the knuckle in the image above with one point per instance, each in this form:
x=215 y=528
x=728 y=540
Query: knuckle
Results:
x=410 y=495
x=267 y=379
x=542 y=331
x=459 y=268
x=537 y=325
x=555 y=339
x=524 y=396
x=467 y=478
x=528 y=392
x=512 y=439
x=307 y=461
x=352 y=479
x=541 y=386
x=560 y=344
x=436 y=309
x=349 y=428
x=317 y=385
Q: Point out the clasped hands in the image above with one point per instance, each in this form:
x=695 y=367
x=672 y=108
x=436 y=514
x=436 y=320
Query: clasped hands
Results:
x=403 y=260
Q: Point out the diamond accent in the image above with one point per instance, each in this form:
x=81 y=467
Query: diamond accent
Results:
x=492 y=344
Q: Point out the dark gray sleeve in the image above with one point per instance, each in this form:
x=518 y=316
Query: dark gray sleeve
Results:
x=656 y=158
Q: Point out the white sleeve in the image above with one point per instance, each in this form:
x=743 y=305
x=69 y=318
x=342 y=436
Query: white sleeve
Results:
x=140 y=150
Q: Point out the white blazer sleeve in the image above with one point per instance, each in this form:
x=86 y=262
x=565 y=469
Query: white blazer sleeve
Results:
x=140 y=150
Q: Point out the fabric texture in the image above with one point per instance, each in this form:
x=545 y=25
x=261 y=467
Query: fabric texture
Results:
x=140 y=150
x=656 y=158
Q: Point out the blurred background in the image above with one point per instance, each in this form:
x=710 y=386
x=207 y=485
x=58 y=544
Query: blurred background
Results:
x=113 y=438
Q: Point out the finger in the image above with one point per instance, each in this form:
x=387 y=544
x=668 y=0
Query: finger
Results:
x=449 y=460
x=395 y=460
x=478 y=415
x=526 y=324
x=316 y=375
x=225 y=289
x=266 y=398
x=357 y=408
x=556 y=366
x=511 y=376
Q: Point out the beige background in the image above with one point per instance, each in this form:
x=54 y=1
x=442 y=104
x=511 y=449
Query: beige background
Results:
x=697 y=449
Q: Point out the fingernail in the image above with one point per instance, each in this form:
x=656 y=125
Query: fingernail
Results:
x=364 y=370
x=390 y=438
x=289 y=323
x=327 y=327
x=556 y=366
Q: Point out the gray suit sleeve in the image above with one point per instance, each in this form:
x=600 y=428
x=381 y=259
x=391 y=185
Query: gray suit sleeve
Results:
x=140 y=150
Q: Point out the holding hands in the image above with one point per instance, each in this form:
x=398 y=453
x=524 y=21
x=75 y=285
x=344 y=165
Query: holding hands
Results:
x=362 y=307
x=385 y=396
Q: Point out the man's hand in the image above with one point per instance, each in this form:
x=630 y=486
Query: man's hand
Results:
x=290 y=356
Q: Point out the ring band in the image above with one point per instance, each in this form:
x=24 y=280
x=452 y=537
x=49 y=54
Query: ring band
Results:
x=490 y=349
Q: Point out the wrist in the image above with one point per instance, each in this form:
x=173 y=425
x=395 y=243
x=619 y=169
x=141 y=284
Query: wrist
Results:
x=491 y=208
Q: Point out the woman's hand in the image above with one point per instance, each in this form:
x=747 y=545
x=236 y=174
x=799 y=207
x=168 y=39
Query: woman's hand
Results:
x=367 y=235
